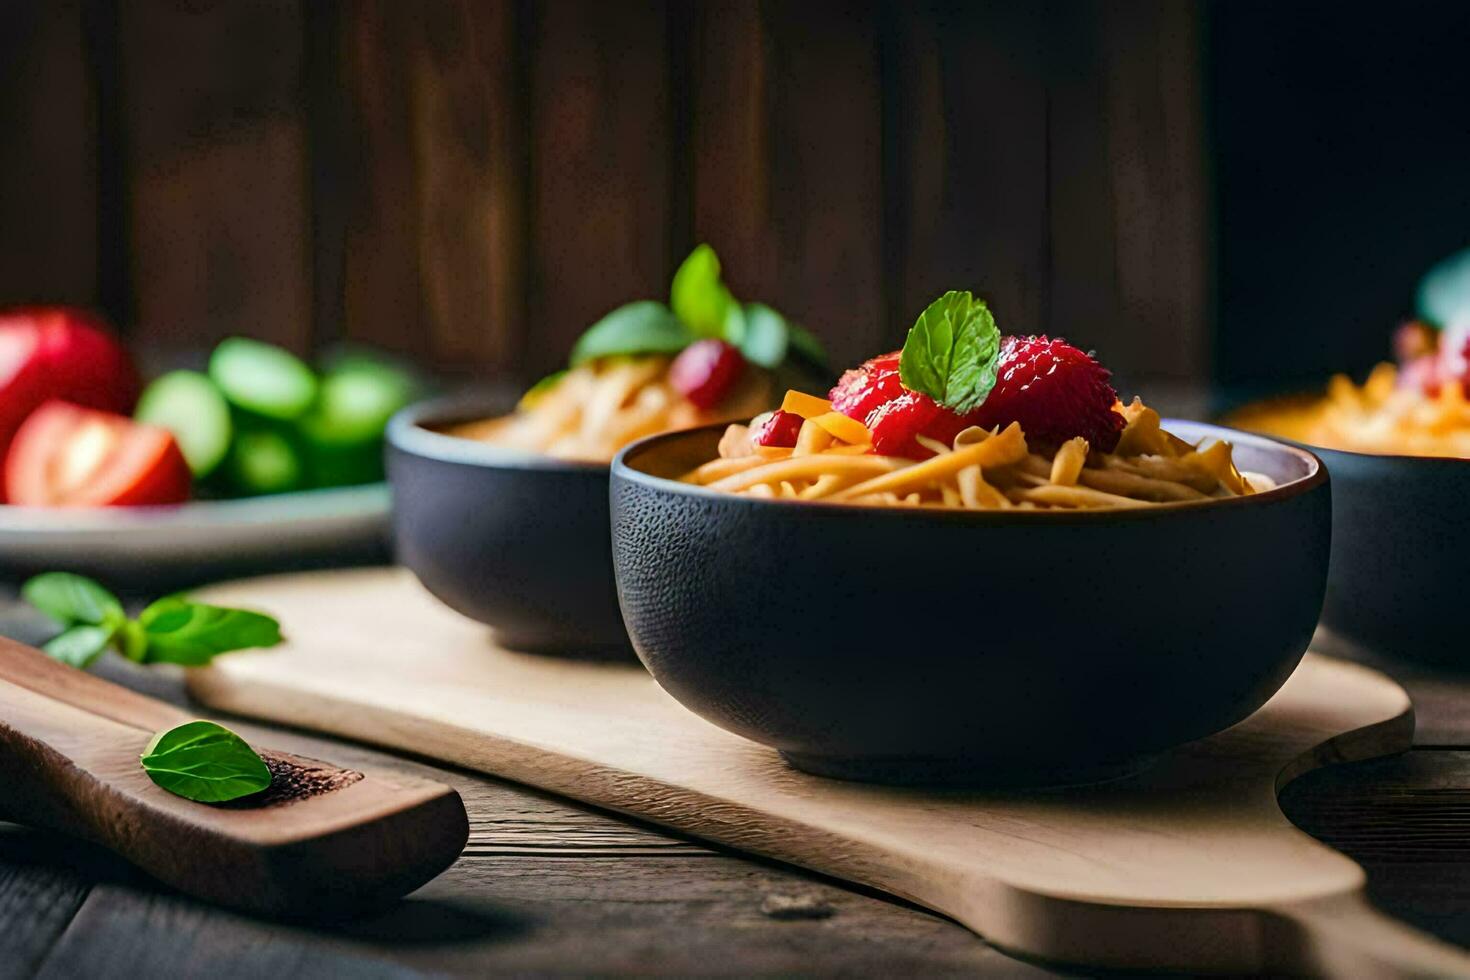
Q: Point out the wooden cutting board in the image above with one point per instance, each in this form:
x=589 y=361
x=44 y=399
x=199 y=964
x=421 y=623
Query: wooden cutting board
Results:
x=1188 y=866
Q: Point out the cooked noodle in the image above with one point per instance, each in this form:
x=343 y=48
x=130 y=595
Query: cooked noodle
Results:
x=980 y=469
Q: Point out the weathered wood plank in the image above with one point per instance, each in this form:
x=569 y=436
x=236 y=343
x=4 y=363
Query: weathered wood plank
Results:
x=599 y=111
x=48 y=168
x=788 y=152
x=39 y=895
x=970 y=174
x=216 y=170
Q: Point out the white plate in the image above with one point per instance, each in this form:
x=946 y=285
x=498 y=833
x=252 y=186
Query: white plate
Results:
x=194 y=540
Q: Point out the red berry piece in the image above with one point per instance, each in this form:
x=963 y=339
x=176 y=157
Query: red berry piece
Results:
x=1421 y=374
x=1413 y=340
x=779 y=429
x=705 y=371
x=859 y=391
x=1055 y=391
x=895 y=423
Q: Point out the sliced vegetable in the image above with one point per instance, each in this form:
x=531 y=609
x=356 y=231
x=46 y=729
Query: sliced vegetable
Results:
x=68 y=456
x=264 y=379
x=190 y=406
x=264 y=461
x=61 y=353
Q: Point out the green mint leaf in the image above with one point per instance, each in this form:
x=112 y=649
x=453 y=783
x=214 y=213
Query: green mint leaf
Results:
x=644 y=327
x=544 y=385
x=805 y=345
x=205 y=762
x=766 y=336
x=72 y=599
x=80 y=645
x=951 y=352
x=193 y=633
x=1444 y=292
x=701 y=301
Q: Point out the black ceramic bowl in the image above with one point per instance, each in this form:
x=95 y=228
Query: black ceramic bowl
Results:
x=512 y=539
x=987 y=648
x=1400 y=543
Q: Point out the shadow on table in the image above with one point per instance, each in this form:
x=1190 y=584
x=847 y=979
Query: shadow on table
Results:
x=408 y=921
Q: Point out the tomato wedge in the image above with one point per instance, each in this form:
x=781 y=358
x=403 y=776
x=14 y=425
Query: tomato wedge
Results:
x=67 y=456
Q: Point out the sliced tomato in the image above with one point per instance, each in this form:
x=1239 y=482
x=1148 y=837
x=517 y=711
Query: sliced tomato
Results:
x=68 y=456
x=64 y=353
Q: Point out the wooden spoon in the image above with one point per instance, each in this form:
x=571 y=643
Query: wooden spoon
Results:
x=322 y=842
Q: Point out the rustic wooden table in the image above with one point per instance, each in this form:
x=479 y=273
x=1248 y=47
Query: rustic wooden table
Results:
x=548 y=886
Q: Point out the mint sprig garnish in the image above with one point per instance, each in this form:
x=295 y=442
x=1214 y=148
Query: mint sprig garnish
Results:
x=644 y=327
x=172 y=630
x=951 y=351
x=700 y=305
x=204 y=762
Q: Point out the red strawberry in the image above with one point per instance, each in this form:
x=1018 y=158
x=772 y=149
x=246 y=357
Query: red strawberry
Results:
x=859 y=391
x=705 y=371
x=895 y=423
x=779 y=429
x=1055 y=391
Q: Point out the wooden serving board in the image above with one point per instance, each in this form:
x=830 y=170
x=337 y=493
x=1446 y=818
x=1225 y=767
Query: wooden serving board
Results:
x=1188 y=866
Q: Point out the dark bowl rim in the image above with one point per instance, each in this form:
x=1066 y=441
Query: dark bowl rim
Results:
x=1300 y=396
x=408 y=432
x=623 y=468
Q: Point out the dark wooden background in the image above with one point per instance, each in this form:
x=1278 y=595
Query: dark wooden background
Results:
x=471 y=181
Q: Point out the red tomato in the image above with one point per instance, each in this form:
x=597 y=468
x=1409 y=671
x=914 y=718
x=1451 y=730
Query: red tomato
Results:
x=68 y=456
x=57 y=352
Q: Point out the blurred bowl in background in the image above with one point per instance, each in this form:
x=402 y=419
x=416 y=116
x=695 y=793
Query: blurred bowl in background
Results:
x=515 y=540
x=999 y=647
x=1400 y=540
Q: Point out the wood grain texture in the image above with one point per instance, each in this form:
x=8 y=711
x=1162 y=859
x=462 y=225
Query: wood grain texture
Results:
x=786 y=131
x=1194 y=849
x=971 y=160
x=599 y=114
x=428 y=144
x=323 y=842
x=216 y=170
x=48 y=167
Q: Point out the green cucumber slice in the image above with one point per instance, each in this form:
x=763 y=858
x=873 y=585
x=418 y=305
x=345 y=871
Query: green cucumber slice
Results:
x=262 y=378
x=355 y=402
x=189 y=405
x=265 y=461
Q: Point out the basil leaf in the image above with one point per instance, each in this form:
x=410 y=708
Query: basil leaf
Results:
x=193 y=633
x=1444 y=292
x=766 y=336
x=951 y=351
x=701 y=301
x=205 y=762
x=72 y=599
x=80 y=645
x=644 y=327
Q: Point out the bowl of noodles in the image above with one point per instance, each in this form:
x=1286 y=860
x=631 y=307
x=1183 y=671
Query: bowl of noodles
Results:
x=1043 y=586
x=1398 y=447
x=501 y=510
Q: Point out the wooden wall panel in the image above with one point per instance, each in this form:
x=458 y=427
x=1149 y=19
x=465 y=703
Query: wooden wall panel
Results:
x=1157 y=151
x=970 y=172
x=472 y=182
x=216 y=169
x=431 y=151
x=787 y=135
x=48 y=176
x=600 y=166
